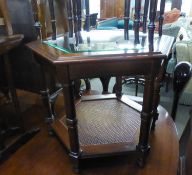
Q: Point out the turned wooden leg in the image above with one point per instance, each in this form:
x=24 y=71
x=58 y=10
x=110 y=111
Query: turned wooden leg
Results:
x=76 y=163
x=76 y=87
x=156 y=99
x=136 y=85
x=156 y=94
x=146 y=116
x=118 y=87
x=49 y=113
x=105 y=84
x=71 y=120
x=88 y=84
x=72 y=124
x=46 y=97
x=49 y=117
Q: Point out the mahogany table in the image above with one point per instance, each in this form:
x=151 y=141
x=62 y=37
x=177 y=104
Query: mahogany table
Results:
x=108 y=125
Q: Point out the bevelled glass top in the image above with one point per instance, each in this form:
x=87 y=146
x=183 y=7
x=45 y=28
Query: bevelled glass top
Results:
x=100 y=40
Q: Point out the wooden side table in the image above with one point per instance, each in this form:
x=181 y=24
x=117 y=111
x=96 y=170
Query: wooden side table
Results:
x=108 y=125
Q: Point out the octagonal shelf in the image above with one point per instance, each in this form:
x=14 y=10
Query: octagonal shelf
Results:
x=106 y=125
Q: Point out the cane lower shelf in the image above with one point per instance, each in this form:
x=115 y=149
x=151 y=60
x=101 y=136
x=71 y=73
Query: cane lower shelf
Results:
x=102 y=131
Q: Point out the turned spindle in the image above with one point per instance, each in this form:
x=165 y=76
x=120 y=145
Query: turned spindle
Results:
x=53 y=20
x=146 y=8
x=137 y=20
x=151 y=26
x=79 y=17
x=126 y=19
x=37 y=24
x=87 y=24
x=161 y=17
x=75 y=20
x=70 y=18
x=79 y=20
x=35 y=10
x=75 y=15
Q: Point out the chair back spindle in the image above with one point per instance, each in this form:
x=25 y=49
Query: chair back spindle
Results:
x=35 y=10
x=137 y=20
x=79 y=17
x=53 y=19
x=75 y=20
x=70 y=18
x=87 y=25
x=37 y=24
x=79 y=20
x=146 y=9
x=152 y=16
x=151 y=26
x=161 y=17
x=126 y=19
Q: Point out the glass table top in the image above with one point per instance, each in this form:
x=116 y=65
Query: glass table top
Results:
x=101 y=40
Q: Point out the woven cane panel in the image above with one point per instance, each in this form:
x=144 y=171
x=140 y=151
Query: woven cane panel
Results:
x=106 y=122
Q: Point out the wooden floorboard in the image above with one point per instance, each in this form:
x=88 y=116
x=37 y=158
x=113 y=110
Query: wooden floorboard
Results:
x=44 y=155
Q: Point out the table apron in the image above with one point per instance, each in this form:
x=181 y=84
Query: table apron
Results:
x=90 y=70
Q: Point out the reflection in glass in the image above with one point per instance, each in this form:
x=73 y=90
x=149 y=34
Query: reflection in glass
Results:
x=101 y=40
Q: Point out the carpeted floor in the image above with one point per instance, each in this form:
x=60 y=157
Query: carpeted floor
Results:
x=165 y=100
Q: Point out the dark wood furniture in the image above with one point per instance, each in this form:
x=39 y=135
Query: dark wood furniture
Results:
x=137 y=80
x=185 y=143
x=6 y=44
x=6 y=148
x=98 y=132
x=71 y=66
x=182 y=75
x=27 y=74
x=9 y=41
x=93 y=20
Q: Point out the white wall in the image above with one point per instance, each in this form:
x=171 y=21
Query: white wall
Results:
x=190 y=13
x=94 y=7
x=167 y=6
x=186 y=6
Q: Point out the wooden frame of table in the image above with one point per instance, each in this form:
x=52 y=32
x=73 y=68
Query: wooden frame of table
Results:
x=99 y=64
